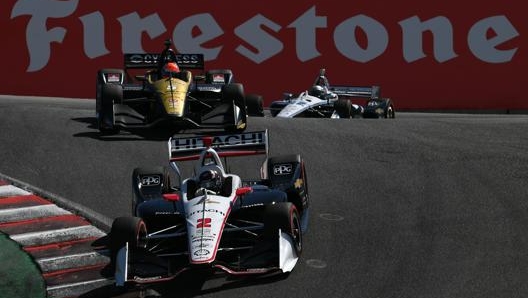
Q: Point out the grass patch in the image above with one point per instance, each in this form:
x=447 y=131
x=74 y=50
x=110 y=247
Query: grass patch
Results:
x=19 y=274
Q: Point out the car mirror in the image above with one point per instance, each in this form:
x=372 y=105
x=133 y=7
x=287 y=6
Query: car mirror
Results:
x=243 y=191
x=171 y=197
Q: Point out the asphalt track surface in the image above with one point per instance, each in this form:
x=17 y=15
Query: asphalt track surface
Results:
x=425 y=205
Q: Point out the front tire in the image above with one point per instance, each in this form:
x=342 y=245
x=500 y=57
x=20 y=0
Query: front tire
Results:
x=128 y=229
x=389 y=112
x=234 y=94
x=109 y=94
x=255 y=105
x=343 y=107
x=283 y=216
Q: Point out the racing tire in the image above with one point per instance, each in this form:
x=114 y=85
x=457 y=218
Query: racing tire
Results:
x=234 y=94
x=283 y=216
x=110 y=94
x=343 y=107
x=255 y=105
x=128 y=229
x=389 y=111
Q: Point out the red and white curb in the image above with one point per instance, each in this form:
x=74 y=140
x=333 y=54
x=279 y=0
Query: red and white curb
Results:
x=60 y=242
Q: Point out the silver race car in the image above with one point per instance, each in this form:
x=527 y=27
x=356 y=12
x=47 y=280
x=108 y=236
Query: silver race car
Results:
x=323 y=100
x=214 y=220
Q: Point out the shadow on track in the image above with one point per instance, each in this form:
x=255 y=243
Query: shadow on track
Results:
x=186 y=285
x=160 y=133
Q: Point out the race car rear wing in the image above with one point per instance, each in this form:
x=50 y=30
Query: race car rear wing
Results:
x=243 y=144
x=150 y=60
x=373 y=92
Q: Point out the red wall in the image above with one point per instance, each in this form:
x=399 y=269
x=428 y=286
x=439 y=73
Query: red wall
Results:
x=475 y=59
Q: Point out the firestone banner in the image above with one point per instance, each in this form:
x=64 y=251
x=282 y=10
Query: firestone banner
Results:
x=446 y=55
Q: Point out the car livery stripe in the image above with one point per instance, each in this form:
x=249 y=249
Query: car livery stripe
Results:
x=60 y=241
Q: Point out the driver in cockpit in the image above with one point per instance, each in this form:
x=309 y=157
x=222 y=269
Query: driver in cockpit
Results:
x=210 y=180
x=321 y=87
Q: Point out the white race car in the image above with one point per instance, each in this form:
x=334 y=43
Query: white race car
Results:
x=213 y=220
x=325 y=101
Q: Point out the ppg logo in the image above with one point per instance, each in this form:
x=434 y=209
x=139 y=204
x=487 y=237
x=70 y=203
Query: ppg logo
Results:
x=150 y=180
x=283 y=169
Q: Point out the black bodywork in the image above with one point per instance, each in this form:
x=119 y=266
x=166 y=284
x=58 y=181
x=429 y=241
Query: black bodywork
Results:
x=126 y=99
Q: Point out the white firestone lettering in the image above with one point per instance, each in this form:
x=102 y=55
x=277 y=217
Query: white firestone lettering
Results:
x=38 y=37
x=94 y=35
x=486 y=48
x=185 y=42
x=251 y=32
x=132 y=28
x=442 y=31
x=346 y=43
x=305 y=34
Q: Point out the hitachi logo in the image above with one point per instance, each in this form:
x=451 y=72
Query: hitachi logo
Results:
x=225 y=140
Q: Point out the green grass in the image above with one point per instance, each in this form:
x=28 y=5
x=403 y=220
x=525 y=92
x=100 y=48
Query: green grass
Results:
x=19 y=275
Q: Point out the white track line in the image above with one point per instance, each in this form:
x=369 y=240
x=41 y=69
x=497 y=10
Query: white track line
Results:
x=34 y=212
x=59 y=235
x=72 y=261
x=12 y=191
x=77 y=289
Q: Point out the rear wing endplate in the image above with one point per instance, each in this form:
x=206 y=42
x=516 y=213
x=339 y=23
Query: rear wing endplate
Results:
x=150 y=60
x=243 y=144
x=373 y=92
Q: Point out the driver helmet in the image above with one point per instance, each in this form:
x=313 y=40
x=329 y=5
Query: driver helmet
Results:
x=317 y=91
x=210 y=180
x=170 y=69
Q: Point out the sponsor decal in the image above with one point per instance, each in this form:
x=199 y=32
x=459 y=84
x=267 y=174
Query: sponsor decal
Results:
x=138 y=278
x=150 y=180
x=113 y=78
x=203 y=232
x=218 y=78
x=143 y=59
x=427 y=45
x=202 y=238
x=208 y=88
x=201 y=252
x=225 y=140
x=210 y=210
x=166 y=212
x=282 y=169
x=298 y=183
x=203 y=223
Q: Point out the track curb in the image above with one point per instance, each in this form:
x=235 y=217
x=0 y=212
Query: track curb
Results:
x=59 y=236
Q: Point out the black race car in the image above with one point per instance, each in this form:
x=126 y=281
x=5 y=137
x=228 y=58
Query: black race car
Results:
x=190 y=98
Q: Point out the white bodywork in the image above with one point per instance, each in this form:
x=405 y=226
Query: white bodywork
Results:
x=302 y=103
x=206 y=214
